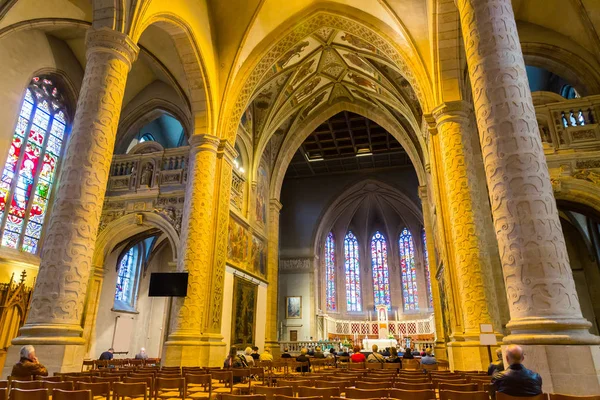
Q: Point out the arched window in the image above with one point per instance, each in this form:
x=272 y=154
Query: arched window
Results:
x=29 y=171
x=381 y=278
x=427 y=272
x=126 y=279
x=569 y=92
x=352 y=267
x=330 y=272
x=147 y=137
x=409 y=273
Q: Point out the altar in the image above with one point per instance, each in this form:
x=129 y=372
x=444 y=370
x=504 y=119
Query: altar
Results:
x=381 y=343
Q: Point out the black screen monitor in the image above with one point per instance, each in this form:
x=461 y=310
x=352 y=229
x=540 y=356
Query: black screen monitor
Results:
x=168 y=284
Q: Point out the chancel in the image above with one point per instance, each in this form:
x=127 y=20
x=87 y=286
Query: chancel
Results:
x=310 y=178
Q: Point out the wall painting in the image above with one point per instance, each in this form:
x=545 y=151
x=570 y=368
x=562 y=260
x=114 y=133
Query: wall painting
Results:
x=259 y=257
x=261 y=195
x=238 y=246
x=245 y=295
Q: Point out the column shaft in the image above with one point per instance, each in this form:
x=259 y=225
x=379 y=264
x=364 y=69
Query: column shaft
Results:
x=466 y=216
x=271 y=339
x=58 y=300
x=543 y=302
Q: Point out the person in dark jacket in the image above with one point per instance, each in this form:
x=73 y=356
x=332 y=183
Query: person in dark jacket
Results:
x=286 y=353
x=107 y=355
x=318 y=353
x=255 y=356
x=28 y=365
x=303 y=359
x=393 y=358
x=497 y=365
x=408 y=354
x=517 y=380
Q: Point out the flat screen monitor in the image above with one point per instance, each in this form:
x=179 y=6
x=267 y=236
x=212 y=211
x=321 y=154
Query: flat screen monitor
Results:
x=168 y=284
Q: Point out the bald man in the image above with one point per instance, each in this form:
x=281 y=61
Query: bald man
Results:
x=517 y=380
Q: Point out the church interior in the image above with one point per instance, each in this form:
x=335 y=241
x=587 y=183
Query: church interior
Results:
x=424 y=173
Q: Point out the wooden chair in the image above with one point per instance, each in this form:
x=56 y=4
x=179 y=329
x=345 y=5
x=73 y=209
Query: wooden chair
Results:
x=28 y=394
x=429 y=367
x=325 y=393
x=412 y=394
x=374 y=365
x=51 y=386
x=100 y=389
x=4 y=384
x=447 y=377
x=348 y=398
x=366 y=393
x=411 y=364
x=20 y=378
x=226 y=377
x=280 y=397
x=49 y=378
x=438 y=382
x=242 y=377
x=404 y=380
x=75 y=379
x=202 y=382
x=59 y=394
x=148 y=380
x=443 y=365
x=556 y=396
x=378 y=379
x=26 y=385
x=167 y=388
x=372 y=385
x=479 y=379
x=503 y=396
x=171 y=369
x=123 y=390
x=258 y=373
x=242 y=397
x=270 y=392
x=87 y=365
x=460 y=387
x=413 y=386
x=456 y=395
x=294 y=384
x=3 y=393
x=392 y=366
x=356 y=366
x=110 y=379
x=342 y=385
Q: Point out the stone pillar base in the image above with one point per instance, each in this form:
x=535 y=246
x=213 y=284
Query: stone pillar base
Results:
x=55 y=357
x=440 y=351
x=469 y=356
x=208 y=351
x=565 y=369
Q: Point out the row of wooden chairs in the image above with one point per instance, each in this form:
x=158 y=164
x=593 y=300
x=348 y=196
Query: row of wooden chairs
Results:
x=286 y=394
x=118 y=362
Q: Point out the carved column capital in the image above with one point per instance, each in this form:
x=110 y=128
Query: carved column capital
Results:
x=107 y=40
x=452 y=111
x=227 y=151
x=204 y=142
x=423 y=192
x=275 y=205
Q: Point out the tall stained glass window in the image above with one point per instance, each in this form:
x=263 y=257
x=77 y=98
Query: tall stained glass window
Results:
x=330 y=272
x=427 y=272
x=409 y=273
x=352 y=268
x=29 y=172
x=126 y=279
x=379 y=262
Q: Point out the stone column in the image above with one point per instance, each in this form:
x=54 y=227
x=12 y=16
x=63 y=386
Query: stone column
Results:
x=271 y=339
x=55 y=319
x=467 y=219
x=440 y=342
x=184 y=345
x=543 y=303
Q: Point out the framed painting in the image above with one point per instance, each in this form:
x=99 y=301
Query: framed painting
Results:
x=293 y=307
x=245 y=294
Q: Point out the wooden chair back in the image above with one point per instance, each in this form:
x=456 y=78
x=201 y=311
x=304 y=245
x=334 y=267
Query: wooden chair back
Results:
x=88 y=364
x=169 y=385
x=333 y=384
x=402 y=379
x=281 y=397
x=3 y=393
x=447 y=377
x=223 y=376
x=97 y=389
x=372 y=385
x=354 y=393
x=378 y=379
x=413 y=386
x=347 y=398
x=20 y=378
x=374 y=365
x=110 y=379
x=51 y=386
x=28 y=394
x=122 y=390
x=4 y=384
x=556 y=396
x=49 y=378
x=325 y=393
x=74 y=378
x=171 y=370
x=459 y=387
x=59 y=394
x=243 y=397
x=26 y=385
x=148 y=380
x=243 y=375
x=411 y=364
x=195 y=380
x=270 y=392
x=504 y=396
x=429 y=367
x=412 y=394
x=479 y=379
x=463 y=395
x=294 y=384
x=392 y=366
x=353 y=365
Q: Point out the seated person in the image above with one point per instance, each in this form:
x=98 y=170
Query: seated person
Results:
x=28 y=364
x=517 y=380
x=235 y=360
x=107 y=355
x=375 y=356
x=386 y=352
x=266 y=356
x=249 y=358
x=497 y=365
x=141 y=355
x=255 y=355
x=357 y=356
x=286 y=353
x=303 y=359
x=344 y=353
x=428 y=359
x=393 y=358
x=408 y=354
x=318 y=353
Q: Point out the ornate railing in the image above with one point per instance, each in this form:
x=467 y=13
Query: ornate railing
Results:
x=148 y=171
x=237 y=189
x=348 y=328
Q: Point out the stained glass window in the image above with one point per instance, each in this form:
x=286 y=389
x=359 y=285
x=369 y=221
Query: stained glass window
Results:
x=126 y=279
x=30 y=169
x=381 y=278
x=427 y=272
x=147 y=137
x=352 y=268
x=330 y=272
x=409 y=273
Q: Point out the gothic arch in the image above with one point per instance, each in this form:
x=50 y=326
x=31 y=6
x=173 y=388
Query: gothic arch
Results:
x=127 y=226
x=578 y=191
x=293 y=141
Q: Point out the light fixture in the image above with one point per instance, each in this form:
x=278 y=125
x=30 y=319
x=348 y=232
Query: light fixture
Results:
x=359 y=154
